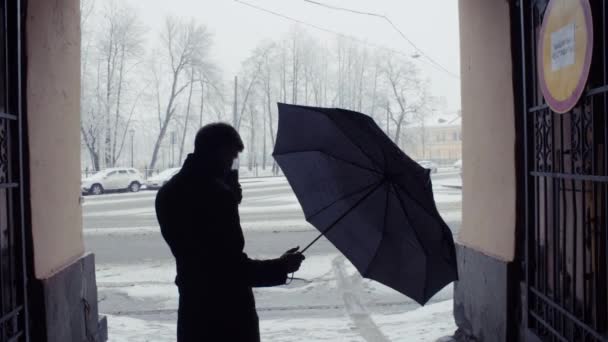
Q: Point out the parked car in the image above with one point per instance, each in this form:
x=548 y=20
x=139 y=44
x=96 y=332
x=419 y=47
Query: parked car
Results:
x=458 y=166
x=156 y=181
x=427 y=164
x=114 y=179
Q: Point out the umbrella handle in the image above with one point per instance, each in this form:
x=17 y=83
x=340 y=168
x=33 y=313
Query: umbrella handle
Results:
x=312 y=243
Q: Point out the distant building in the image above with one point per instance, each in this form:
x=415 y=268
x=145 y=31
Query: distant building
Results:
x=439 y=139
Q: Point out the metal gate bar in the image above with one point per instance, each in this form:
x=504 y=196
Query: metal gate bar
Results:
x=13 y=298
x=566 y=196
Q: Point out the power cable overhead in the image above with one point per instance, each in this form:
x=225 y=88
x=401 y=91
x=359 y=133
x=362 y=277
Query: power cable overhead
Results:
x=390 y=22
x=358 y=40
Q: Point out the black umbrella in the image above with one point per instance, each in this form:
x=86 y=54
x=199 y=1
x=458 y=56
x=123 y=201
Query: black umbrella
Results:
x=367 y=197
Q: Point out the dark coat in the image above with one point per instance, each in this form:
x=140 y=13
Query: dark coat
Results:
x=199 y=220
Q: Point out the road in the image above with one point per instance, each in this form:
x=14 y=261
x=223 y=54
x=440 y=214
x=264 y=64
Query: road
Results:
x=135 y=269
x=122 y=228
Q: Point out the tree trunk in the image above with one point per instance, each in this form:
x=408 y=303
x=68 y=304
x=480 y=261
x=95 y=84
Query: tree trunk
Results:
x=200 y=119
x=90 y=142
x=118 y=98
x=235 y=119
x=306 y=76
x=284 y=75
x=110 y=64
x=95 y=159
x=168 y=114
x=294 y=81
x=252 y=146
x=183 y=142
x=271 y=128
x=361 y=76
x=423 y=140
x=398 y=129
x=373 y=107
x=264 y=142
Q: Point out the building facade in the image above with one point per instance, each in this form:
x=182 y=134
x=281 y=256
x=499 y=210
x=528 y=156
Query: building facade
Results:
x=47 y=281
x=438 y=140
x=532 y=247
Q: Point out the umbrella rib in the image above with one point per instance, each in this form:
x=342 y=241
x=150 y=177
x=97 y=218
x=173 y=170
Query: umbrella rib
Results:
x=340 y=199
x=407 y=217
x=334 y=157
x=371 y=124
x=414 y=199
x=415 y=233
x=383 y=230
x=352 y=140
x=330 y=227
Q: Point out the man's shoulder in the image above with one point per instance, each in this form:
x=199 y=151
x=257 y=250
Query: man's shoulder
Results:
x=184 y=186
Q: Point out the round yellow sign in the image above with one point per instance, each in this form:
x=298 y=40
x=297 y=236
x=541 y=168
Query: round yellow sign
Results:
x=564 y=52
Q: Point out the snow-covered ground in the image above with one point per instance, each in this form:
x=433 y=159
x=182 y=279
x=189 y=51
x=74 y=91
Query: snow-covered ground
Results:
x=421 y=325
x=327 y=300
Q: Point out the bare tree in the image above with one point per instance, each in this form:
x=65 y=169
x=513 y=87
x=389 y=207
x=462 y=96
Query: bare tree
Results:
x=284 y=67
x=90 y=123
x=295 y=63
x=407 y=91
x=119 y=41
x=263 y=62
x=252 y=162
x=185 y=45
x=374 y=92
x=187 y=116
x=182 y=84
x=247 y=89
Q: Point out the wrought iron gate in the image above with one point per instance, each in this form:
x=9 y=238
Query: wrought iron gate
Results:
x=566 y=195
x=13 y=299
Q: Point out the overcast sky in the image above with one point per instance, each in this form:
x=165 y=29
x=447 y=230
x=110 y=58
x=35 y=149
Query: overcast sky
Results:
x=430 y=24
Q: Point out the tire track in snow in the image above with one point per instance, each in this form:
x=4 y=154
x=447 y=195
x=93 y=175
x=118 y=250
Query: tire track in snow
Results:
x=358 y=312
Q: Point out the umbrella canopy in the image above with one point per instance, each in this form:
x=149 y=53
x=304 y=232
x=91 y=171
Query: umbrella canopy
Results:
x=367 y=197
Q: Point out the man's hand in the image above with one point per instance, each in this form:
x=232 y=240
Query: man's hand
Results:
x=238 y=192
x=292 y=259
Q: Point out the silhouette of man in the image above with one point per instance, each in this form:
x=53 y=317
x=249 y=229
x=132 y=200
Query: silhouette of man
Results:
x=198 y=215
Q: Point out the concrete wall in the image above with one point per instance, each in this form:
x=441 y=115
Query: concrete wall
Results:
x=488 y=129
x=53 y=112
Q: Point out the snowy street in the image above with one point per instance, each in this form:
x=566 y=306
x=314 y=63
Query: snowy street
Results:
x=326 y=301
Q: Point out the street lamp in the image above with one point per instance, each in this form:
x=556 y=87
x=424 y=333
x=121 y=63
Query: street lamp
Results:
x=132 y=132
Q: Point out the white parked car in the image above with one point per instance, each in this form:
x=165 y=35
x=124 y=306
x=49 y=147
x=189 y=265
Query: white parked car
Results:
x=458 y=166
x=427 y=164
x=114 y=179
x=156 y=181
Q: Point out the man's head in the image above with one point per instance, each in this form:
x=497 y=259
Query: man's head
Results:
x=218 y=142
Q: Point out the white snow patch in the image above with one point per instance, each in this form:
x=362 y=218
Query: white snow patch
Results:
x=126 y=231
x=447 y=198
x=88 y=203
x=271 y=209
x=131 y=274
x=292 y=225
x=127 y=329
x=165 y=295
x=426 y=324
x=451 y=216
x=121 y=212
x=141 y=194
x=309 y=330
